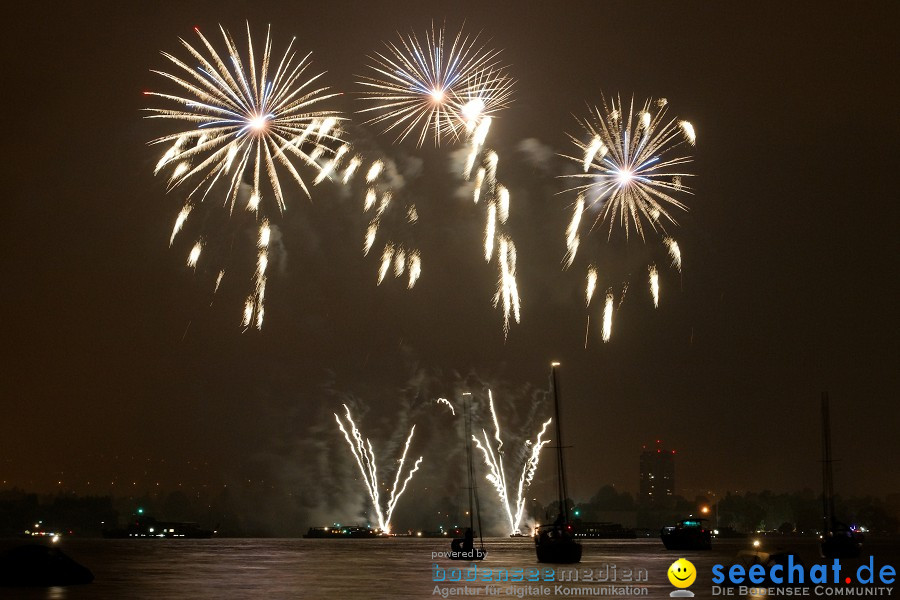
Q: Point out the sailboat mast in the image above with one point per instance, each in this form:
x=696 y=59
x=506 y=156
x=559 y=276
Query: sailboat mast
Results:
x=474 y=486
x=827 y=474
x=560 y=463
x=470 y=468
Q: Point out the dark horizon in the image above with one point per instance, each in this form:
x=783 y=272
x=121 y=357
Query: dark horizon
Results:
x=114 y=348
x=247 y=512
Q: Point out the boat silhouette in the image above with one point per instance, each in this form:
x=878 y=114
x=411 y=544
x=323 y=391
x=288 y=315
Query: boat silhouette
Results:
x=838 y=539
x=464 y=548
x=555 y=542
x=688 y=534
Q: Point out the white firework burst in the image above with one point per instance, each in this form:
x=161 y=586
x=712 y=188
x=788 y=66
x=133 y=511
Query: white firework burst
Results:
x=630 y=176
x=631 y=171
x=244 y=120
x=438 y=87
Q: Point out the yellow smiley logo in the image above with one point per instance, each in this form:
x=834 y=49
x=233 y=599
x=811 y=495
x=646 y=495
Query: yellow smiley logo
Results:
x=682 y=573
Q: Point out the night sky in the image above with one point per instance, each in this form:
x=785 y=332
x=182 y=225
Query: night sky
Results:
x=116 y=367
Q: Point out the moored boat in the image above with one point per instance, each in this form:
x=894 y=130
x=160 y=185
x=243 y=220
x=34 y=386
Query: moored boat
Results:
x=464 y=548
x=555 y=542
x=838 y=539
x=148 y=527
x=689 y=534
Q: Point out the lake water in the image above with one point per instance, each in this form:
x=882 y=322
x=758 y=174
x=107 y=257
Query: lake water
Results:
x=363 y=569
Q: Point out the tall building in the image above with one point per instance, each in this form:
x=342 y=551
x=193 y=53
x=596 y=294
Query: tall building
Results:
x=657 y=482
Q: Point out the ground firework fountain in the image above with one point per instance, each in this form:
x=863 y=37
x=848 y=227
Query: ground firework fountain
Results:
x=365 y=459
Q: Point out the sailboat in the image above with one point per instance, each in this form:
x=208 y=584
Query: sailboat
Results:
x=838 y=540
x=464 y=548
x=555 y=542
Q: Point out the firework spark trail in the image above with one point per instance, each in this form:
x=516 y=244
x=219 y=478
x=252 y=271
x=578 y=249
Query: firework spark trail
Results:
x=622 y=296
x=590 y=152
x=332 y=165
x=365 y=460
x=591 y=284
x=371 y=197
x=415 y=269
x=479 y=181
x=395 y=493
x=507 y=288
x=674 y=252
x=654 y=285
x=502 y=203
x=254 y=305
x=179 y=222
x=247 y=120
x=350 y=169
x=374 y=171
x=194 y=255
x=370 y=238
x=477 y=139
x=490 y=231
x=399 y=263
x=447 y=402
x=607 y=316
x=496 y=477
x=439 y=87
x=528 y=471
x=688 y=130
x=497 y=474
x=589 y=289
x=405 y=259
x=572 y=238
x=386 y=257
x=497 y=209
x=491 y=160
x=587 y=330
x=630 y=177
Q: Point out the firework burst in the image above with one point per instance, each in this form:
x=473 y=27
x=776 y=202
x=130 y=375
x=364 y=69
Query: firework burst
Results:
x=631 y=176
x=437 y=88
x=245 y=121
x=448 y=90
x=365 y=460
x=630 y=166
